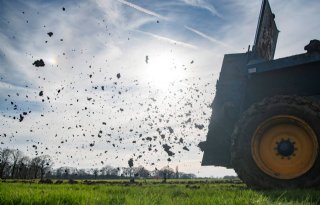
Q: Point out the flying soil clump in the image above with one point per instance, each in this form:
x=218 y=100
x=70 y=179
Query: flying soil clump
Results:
x=38 y=63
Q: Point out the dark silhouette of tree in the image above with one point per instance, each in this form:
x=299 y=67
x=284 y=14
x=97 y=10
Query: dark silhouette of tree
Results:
x=5 y=158
x=114 y=172
x=227 y=177
x=14 y=164
x=82 y=173
x=142 y=172
x=106 y=170
x=23 y=167
x=95 y=173
x=126 y=172
x=45 y=164
x=130 y=163
x=66 y=172
x=166 y=173
x=109 y=172
x=16 y=155
x=35 y=162
x=177 y=172
x=187 y=176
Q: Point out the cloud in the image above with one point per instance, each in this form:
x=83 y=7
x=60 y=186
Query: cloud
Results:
x=297 y=24
x=103 y=38
x=211 y=39
x=143 y=10
x=204 y=5
x=99 y=41
x=169 y=40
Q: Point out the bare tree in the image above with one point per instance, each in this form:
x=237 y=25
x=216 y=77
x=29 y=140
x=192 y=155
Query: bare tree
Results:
x=35 y=166
x=115 y=172
x=130 y=163
x=69 y=173
x=45 y=164
x=23 y=167
x=58 y=173
x=126 y=172
x=187 y=175
x=166 y=172
x=15 y=165
x=82 y=173
x=65 y=172
x=142 y=172
x=5 y=159
x=95 y=173
x=16 y=155
x=106 y=170
x=177 y=172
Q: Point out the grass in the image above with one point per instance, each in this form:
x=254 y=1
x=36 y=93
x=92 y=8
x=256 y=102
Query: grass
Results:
x=150 y=193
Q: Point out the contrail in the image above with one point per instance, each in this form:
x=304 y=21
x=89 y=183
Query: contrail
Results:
x=213 y=40
x=11 y=85
x=187 y=45
x=204 y=5
x=143 y=10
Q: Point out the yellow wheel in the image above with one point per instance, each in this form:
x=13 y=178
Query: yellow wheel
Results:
x=284 y=147
x=276 y=143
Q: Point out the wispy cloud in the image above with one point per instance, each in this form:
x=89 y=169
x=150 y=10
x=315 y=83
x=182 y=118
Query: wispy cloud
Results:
x=204 y=5
x=143 y=10
x=211 y=39
x=169 y=40
x=103 y=38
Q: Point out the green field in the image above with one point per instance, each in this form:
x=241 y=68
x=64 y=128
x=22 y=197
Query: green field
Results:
x=150 y=192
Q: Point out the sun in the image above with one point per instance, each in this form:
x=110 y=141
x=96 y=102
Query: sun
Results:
x=52 y=60
x=162 y=70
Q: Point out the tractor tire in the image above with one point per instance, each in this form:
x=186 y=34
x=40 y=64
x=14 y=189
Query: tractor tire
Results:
x=275 y=143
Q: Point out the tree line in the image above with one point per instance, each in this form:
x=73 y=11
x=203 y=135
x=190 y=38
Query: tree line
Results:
x=15 y=165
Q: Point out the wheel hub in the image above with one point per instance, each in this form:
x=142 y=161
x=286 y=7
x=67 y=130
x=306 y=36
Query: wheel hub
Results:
x=285 y=148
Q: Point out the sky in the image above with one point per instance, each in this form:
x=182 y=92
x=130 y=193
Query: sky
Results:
x=124 y=79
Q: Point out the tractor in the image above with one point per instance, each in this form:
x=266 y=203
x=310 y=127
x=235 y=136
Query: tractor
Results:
x=265 y=121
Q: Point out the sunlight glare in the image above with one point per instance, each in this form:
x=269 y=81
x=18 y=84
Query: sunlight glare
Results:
x=52 y=60
x=162 y=70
